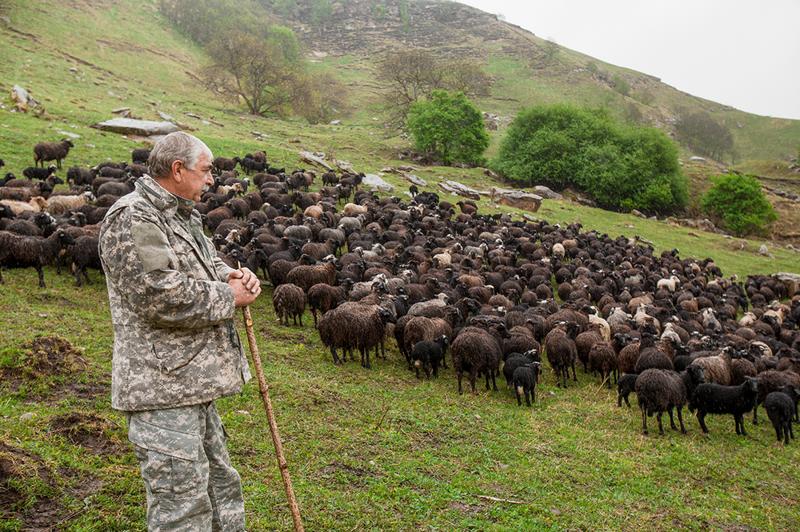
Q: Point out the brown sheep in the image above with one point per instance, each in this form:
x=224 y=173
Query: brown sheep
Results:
x=51 y=151
x=289 y=300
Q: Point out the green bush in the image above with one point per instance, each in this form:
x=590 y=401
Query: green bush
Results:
x=449 y=128
x=739 y=203
x=621 y=167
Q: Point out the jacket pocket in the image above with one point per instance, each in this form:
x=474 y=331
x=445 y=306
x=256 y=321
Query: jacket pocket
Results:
x=178 y=351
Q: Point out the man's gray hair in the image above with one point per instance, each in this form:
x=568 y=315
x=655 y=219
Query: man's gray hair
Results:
x=178 y=146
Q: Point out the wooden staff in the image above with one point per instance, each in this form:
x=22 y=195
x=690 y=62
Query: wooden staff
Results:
x=273 y=426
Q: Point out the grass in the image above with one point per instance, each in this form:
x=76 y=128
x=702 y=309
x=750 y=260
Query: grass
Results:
x=367 y=449
x=379 y=449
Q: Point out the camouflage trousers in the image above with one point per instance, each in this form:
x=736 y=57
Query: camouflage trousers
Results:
x=190 y=482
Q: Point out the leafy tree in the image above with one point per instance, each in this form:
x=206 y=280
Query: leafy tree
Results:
x=414 y=74
x=622 y=167
x=704 y=135
x=448 y=127
x=256 y=70
x=739 y=203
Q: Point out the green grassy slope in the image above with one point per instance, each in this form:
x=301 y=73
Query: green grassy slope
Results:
x=367 y=449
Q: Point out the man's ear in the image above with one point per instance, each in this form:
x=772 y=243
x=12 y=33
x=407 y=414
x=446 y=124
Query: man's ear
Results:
x=176 y=167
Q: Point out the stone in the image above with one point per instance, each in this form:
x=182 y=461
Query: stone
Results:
x=547 y=193
x=638 y=213
x=516 y=198
x=120 y=110
x=165 y=116
x=313 y=158
x=454 y=187
x=335 y=122
x=763 y=250
x=22 y=99
x=130 y=126
x=698 y=159
x=69 y=134
x=416 y=180
x=27 y=416
x=375 y=182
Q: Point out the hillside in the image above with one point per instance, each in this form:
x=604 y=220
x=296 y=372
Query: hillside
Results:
x=373 y=449
x=361 y=31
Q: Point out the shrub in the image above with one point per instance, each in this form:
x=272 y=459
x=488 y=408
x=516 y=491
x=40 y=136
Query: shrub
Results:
x=739 y=203
x=621 y=167
x=449 y=128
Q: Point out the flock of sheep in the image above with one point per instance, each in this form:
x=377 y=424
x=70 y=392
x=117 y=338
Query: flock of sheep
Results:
x=485 y=292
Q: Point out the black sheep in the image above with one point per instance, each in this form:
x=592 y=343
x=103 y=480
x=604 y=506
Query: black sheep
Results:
x=780 y=410
x=428 y=355
x=524 y=379
x=140 y=155
x=626 y=385
x=41 y=174
x=516 y=360
x=710 y=398
x=25 y=251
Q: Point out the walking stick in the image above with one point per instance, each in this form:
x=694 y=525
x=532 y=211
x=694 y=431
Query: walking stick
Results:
x=273 y=426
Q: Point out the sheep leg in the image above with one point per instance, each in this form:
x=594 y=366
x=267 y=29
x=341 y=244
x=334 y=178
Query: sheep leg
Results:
x=473 y=376
x=671 y=420
x=660 y=426
x=680 y=420
x=527 y=396
x=644 y=419
x=533 y=394
x=494 y=382
x=518 y=395
x=789 y=430
x=755 y=414
x=86 y=275
x=335 y=356
x=460 y=391
x=487 y=380
x=740 y=421
x=574 y=375
x=779 y=432
x=701 y=418
x=40 y=271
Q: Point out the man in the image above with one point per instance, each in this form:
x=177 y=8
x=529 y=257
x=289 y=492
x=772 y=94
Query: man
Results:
x=176 y=348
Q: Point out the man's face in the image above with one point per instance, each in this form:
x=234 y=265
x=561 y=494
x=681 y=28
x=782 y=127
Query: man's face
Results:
x=193 y=181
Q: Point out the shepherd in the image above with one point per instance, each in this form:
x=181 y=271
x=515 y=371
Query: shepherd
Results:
x=176 y=348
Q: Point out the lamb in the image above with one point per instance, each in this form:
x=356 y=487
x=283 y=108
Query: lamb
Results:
x=476 y=351
x=60 y=205
x=711 y=398
x=772 y=381
x=324 y=297
x=78 y=176
x=562 y=352
x=625 y=385
x=114 y=188
x=515 y=360
x=223 y=164
x=25 y=251
x=428 y=354
x=603 y=359
x=525 y=379
x=661 y=390
x=780 y=409
x=51 y=151
x=289 y=300
x=41 y=174
x=353 y=325
x=84 y=253
x=35 y=204
x=420 y=328
x=306 y=276
x=351 y=210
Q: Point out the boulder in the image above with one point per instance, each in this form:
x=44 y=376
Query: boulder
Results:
x=517 y=198
x=416 y=180
x=313 y=158
x=546 y=193
x=454 y=187
x=130 y=126
x=791 y=280
x=375 y=182
x=22 y=99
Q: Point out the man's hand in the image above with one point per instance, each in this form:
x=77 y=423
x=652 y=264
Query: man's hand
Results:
x=246 y=286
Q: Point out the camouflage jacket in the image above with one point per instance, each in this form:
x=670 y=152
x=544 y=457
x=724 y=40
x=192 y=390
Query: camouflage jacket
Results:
x=175 y=343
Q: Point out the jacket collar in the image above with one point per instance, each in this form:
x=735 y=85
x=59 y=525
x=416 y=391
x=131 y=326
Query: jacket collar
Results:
x=162 y=199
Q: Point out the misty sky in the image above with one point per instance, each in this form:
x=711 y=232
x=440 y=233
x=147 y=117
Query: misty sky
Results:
x=743 y=53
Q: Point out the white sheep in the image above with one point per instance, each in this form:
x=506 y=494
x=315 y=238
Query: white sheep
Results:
x=36 y=204
x=558 y=250
x=670 y=284
x=58 y=205
x=604 y=327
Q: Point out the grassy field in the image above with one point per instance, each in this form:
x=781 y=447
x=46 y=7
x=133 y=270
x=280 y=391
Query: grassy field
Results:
x=367 y=449
x=373 y=449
